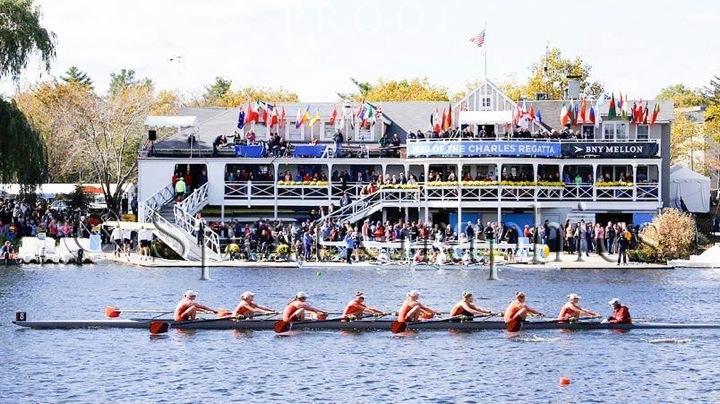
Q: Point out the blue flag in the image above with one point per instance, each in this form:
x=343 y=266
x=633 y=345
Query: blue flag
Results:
x=241 y=119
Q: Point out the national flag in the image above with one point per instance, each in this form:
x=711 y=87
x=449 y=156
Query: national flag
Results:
x=592 y=115
x=315 y=119
x=333 y=116
x=538 y=116
x=370 y=115
x=583 y=110
x=283 y=118
x=251 y=115
x=302 y=117
x=612 y=113
x=575 y=112
x=273 y=117
x=479 y=39
x=564 y=115
x=621 y=102
x=449 y=117
x=241 y=119
x=443 y=120
x=655 y=113
x=645 y=114
x=623 y=111
x=264 y=116
x=436 y=122
x=531 y=113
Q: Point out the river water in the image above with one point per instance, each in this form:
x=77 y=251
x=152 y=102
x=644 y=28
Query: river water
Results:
x=330 y=366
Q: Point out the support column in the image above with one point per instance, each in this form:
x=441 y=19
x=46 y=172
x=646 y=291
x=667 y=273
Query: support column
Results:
x=594 y=185
x=276 y=170
x=384 y=216
x=634 y=181
x=407 y=214
x=426 y=171
x=329 y=186
x=222 y=212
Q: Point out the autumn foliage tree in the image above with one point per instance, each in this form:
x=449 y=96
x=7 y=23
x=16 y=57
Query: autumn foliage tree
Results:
x=549 y=75
x=415 y=89
x=220 y=94
x=671 y=235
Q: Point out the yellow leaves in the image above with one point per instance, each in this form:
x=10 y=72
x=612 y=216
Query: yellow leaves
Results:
x=234 y=98
x=416 y=89
x=671 y=234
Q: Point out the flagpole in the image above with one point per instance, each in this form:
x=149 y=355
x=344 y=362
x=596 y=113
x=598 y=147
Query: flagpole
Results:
x=485 y=30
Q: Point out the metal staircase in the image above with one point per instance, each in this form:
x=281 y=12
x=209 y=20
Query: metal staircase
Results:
x=176 y=225
x=369 y=204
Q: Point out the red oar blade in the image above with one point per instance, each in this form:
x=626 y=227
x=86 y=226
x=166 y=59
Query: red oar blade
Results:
x=112 y=312
x=398 y=326
x=281 y=326
x=159 y=327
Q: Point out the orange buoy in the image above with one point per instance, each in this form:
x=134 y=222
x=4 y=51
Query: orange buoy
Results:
x=564 y=381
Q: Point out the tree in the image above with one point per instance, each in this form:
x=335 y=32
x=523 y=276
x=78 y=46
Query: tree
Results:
x=686 y=141
x=76 y=76
x=125 y=79
x=21 y=35
x=549 y=75
x=219 y=94
x=416 y=89
x=671 y=235
x=22 y=152
x=78 y=200
x=712 y=91
x=681 y=96
x=217 y=90
x=47 y=107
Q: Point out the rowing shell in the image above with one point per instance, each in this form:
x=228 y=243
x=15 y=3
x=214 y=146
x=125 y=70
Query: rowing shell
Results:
x=369 y=324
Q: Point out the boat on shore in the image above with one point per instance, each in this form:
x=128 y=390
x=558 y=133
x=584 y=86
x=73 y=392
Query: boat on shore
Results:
x=369 y=324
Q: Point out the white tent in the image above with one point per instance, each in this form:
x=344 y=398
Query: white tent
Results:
x=691 y=187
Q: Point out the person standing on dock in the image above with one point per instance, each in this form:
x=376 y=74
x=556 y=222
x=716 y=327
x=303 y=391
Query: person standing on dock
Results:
x=623 y=243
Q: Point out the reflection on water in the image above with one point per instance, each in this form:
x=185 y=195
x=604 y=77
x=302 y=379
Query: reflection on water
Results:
x=335 y=366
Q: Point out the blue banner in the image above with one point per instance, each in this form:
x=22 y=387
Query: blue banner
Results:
x=307 y=150
x=477 y=148
x=249 y=151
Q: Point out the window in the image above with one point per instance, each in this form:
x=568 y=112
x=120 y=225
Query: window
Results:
x=486 y=104
x=615 y=131
x=642 y=132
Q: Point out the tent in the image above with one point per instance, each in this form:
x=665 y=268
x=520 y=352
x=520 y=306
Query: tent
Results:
x=690 y=188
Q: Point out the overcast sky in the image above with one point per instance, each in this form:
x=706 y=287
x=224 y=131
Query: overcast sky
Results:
x=313 y=47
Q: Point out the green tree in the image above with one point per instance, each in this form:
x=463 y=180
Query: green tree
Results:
x=712 y=91
x=76 y=76
x=21 y=35
x=78 y=199
x=22 y=152
x=217 y=90
x=549 y=75
x=125 y=79
x=681 y=96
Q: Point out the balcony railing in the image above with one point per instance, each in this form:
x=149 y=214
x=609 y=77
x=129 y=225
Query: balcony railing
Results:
x=450 y=191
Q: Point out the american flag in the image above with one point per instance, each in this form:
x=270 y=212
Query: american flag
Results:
x=479 y=39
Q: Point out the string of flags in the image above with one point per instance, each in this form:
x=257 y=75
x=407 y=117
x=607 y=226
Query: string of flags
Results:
x=441 y=121
x=260 y=112
x=575 y=113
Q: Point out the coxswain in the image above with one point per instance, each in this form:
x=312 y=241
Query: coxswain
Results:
x=248 y=308
x=572 y=310
x=413 y=310
x=357 y=308
x=188 y=308
x=298 y=306
x=620 y=314
x=466 y=307
x=517 y=311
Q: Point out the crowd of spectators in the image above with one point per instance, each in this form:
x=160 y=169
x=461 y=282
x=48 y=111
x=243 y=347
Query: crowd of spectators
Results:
x=22 y=219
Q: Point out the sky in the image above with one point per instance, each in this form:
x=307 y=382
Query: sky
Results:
x=313 y=47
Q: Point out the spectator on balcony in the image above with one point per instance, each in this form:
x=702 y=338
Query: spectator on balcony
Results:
x=250 y=138
x=345 y=200
x=395 y=141
x=219 y=141
x=313 y=140
x=338 y=138
x=578 y=179
x=180 y=189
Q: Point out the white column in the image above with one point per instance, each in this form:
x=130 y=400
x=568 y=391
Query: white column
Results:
x=594 y=176
x=276 y=167
x=635 y=182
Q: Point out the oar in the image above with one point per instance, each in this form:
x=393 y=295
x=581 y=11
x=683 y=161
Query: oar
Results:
x=398 y=327
x=282 y=326
x=114 y=312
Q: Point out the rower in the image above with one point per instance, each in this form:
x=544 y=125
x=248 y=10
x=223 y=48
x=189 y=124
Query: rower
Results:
x=517 y=311
x=620 y=314
x=188 y=308
x=572 y=311
x=413 y=310
x=466 y=307
x=248 y=308
x=296 y=309
x=357 y=308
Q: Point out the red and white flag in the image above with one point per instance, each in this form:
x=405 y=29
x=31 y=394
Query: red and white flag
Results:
x=479 y=39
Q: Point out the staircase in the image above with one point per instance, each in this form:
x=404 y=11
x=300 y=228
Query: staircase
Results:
x=175 y=223
x=369 y=204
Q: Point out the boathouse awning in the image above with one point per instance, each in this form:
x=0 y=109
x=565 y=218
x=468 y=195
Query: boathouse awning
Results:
x=175 y=121
x=486 y=117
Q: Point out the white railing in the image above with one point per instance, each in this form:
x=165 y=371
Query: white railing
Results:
x=195 y=201
x=610 y=193
x=371 y=203
x=578 y=191
x=158 y=199
x=648 y=192
x=302 y=192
